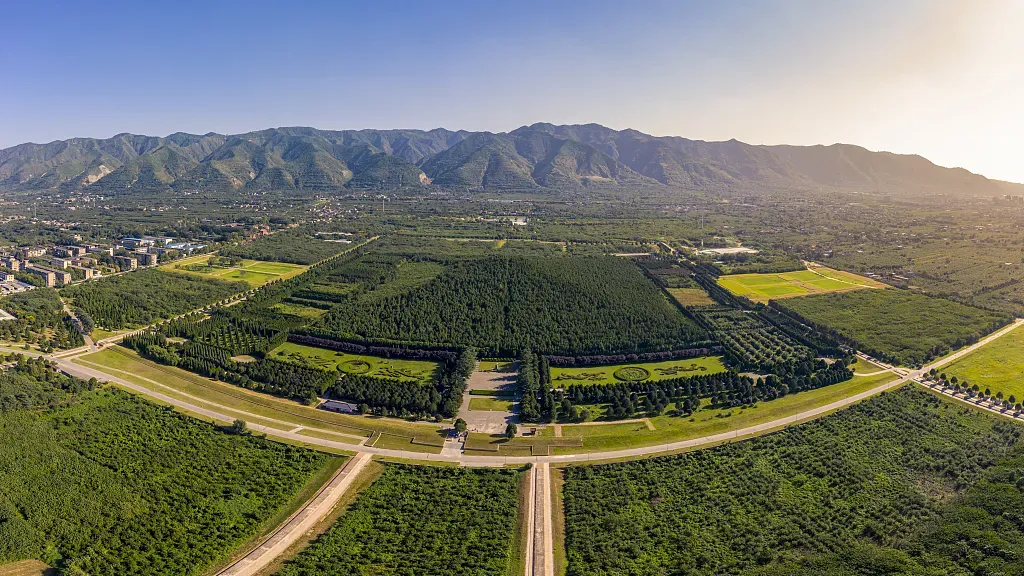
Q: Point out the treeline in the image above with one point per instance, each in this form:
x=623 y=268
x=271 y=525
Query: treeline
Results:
x=320 y=339
x=724 y=389
x=629 y=358
x=292 y=246
x=537 y=400
x=568 y=306
x=303 y=383
x=146 y=296
x=903 y=484
x=382 y=396
x=39 y=319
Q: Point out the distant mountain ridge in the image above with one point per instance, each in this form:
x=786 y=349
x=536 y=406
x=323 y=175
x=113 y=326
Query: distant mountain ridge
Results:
x=537 y=157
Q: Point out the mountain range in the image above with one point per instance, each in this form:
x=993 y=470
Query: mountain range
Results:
x=531 y=158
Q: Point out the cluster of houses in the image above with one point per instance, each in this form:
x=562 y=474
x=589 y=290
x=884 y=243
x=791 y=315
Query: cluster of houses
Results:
x=57 y=265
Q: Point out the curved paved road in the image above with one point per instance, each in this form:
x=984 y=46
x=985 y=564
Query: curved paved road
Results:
x=905 y=376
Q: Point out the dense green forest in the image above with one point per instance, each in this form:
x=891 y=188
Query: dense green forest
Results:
x=97 y=481
x=145 y=296
x=896 y=325
x=293 y=246
x=422 y=520
x=904 y=483
x=40 y=319
x=501 y=305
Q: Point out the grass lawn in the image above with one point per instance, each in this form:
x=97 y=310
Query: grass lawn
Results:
x=690 y=296
x=298 y=310
x=817 y=280
x=865 y=367
x=998 y=365
x=100 y=334
x=490 y=404
x=707 y=421
x=253 y=272
x=226 y=398
x=502 y=393
x=562 y=376
x=421 y=371
x=495 y=366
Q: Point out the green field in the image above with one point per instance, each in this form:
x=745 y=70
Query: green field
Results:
x=861 y=367
x=690 y=296
x=298 y=310
x=490 y=404
x=253 y=272
x=998 y=365
x=818 y=280
x=408 y=370
x=562 y=376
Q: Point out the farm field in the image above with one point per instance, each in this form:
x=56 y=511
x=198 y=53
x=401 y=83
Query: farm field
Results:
x=816 y=280
x=901 y=482
x=998 y=365
x=259 y=408
x=709 y=421
x=401 y=369
x=490 y=404
x=895 y=325
x=690 y=296
x=90 y=478
x=562 y=376
x=424 y=520
x=255 y=273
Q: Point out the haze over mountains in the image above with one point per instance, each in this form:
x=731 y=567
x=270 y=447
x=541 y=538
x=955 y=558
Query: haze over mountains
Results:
x=531 y=158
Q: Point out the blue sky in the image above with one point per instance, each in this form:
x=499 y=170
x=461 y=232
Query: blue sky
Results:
x=935 y=77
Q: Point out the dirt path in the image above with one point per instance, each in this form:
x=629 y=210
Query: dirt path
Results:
x=300 y=522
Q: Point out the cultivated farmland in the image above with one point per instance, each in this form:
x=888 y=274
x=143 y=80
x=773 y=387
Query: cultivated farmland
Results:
x=253 y=272
x=814 y=280
x=425 y=521
x=900 y=482
x=895 y=325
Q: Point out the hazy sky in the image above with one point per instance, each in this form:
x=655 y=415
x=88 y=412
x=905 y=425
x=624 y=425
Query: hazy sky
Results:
x=939 y=78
